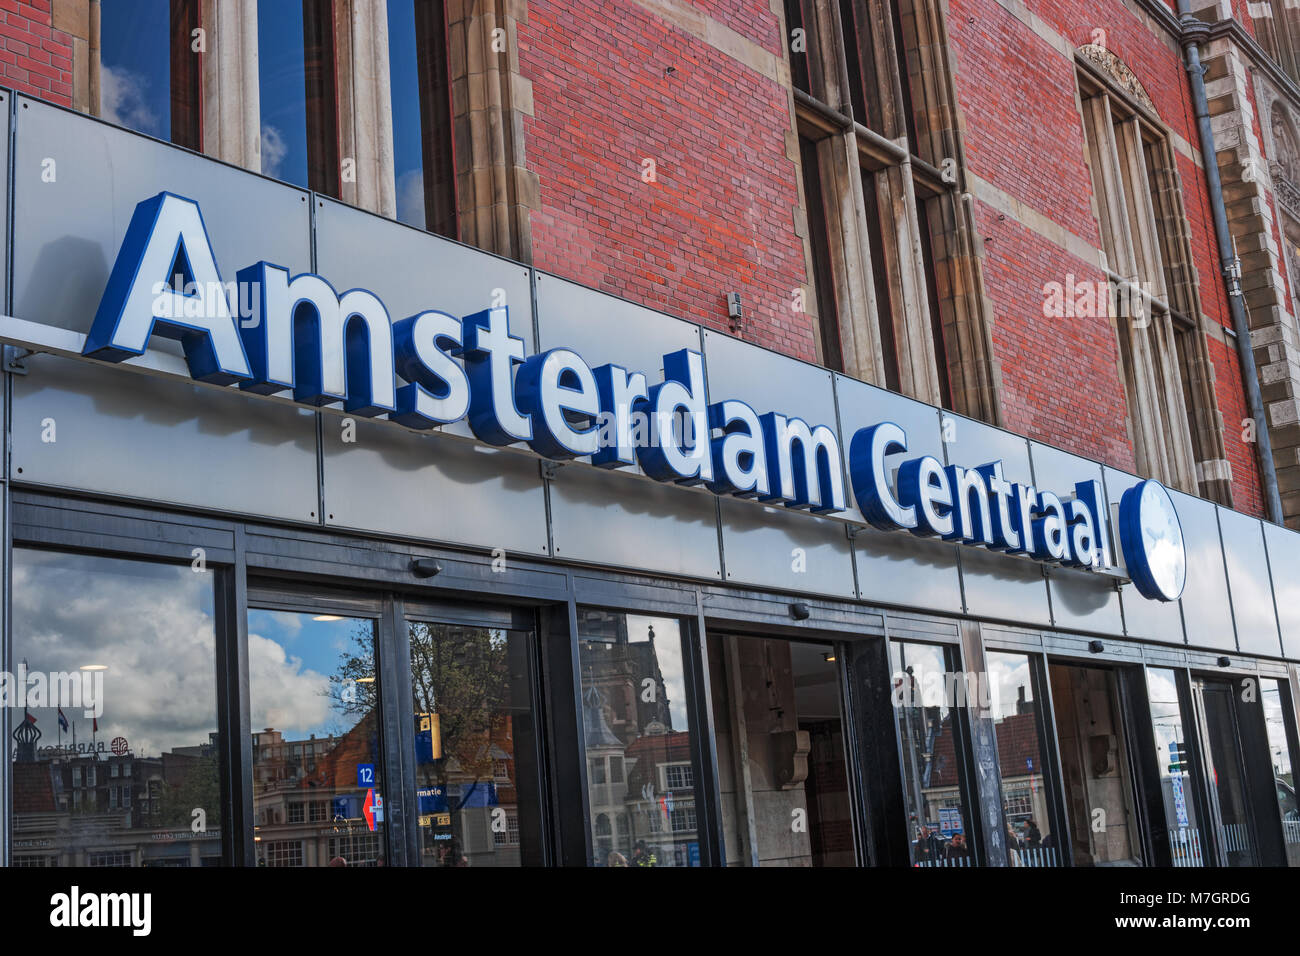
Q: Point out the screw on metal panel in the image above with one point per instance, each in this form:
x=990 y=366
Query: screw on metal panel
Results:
x=549 y=469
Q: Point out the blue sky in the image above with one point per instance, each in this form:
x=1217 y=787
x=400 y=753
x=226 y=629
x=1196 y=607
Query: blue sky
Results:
x=136 y=64
x=282 y=79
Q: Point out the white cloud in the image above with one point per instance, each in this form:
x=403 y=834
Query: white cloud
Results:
x=121 y=100
x=274 y=149
x=284 y=695
x=410 y=197
x=146 y=623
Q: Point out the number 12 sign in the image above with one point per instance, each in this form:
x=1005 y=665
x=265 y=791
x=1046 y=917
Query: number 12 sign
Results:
x=365 y=775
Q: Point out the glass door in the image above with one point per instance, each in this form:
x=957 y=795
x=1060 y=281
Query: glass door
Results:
x=315 y=693
x=476 y=737
x=1094 y=766
x=1225 y=775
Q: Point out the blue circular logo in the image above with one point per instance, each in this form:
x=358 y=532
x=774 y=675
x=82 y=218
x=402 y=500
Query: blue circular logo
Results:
x=1152 y=539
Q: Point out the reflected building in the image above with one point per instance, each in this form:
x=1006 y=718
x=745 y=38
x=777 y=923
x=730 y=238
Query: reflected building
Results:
x=91 y=807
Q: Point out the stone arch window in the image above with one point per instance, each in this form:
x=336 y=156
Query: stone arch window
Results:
x=891 y=251
x=1165 y=366
x=350 y=98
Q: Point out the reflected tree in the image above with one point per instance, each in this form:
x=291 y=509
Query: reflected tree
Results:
x=460 y=674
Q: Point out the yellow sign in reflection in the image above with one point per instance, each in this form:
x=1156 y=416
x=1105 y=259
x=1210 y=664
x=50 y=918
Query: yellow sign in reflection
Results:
x=431 y=723
x=435 y=819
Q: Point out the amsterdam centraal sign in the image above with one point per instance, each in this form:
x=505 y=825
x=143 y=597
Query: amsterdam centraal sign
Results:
x=299 y=335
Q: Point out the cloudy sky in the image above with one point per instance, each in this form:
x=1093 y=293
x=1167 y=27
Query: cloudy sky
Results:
x=152 y=626
x=135 y=76
x=290 y=659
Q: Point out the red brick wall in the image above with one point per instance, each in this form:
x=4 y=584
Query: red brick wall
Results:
x=34 y=57
x=1024 y=135
x=719 y=218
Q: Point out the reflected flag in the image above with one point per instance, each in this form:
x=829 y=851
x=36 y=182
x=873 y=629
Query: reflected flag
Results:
x=63 y=720
x=27 y=717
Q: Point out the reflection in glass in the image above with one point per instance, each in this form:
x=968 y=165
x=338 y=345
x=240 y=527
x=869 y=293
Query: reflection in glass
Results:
x=638 y=741
x=1222 y=755
x=317 y=767
x=297 y=93
x=1175 y=769
x=937 y=816
x=475 y=746
x=1274 y=698
x=135 y=782
x=149 y=74
x=423 y=163
x=1023 y=760
x=776 y=717
x=1094 y=766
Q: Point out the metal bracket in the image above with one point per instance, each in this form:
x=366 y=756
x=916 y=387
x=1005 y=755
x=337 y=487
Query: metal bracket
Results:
x=14 y=359
x=548 y=469
x=852 y=530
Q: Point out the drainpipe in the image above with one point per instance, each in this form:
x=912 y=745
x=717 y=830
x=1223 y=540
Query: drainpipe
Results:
x=1193 y=32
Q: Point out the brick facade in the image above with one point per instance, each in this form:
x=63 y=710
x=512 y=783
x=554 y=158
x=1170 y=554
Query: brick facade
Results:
x=35 y=58
x=661 y=165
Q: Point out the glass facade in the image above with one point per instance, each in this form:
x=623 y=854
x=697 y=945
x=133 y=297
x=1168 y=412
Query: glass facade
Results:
x=1173 y=762
x=733 y=750
x=927 y=710
x=781 y=759
x=317 y=761
x=1022 y=755
x=114 y=740
x=477 y=782
x=640 y=748
x=1275 y=698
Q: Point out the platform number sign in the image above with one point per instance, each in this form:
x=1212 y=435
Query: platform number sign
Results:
x=365 y=775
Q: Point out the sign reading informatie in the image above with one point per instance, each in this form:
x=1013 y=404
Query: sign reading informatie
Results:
x=297 y=334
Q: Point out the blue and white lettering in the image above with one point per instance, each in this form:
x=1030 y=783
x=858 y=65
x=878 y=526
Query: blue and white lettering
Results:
x=1051 y=542
x=167 y=238
x=739 y=455
x=621 y=393
x=558 y=390
x=666 y=457
x=971 y=504
x=438 y=392
x=491 y=353
x=1005 y=537
x=327 y=347
x=867 y=453
x=923 y=485
x=815 y=480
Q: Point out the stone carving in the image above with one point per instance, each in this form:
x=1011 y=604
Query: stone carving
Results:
x=1118 y=71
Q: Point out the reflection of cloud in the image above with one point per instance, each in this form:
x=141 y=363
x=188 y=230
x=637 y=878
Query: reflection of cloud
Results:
x=121 y=99
x=284 y=695
x=151 y=625
x=274 y=149
x=1007 y=674
x=410 y=197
